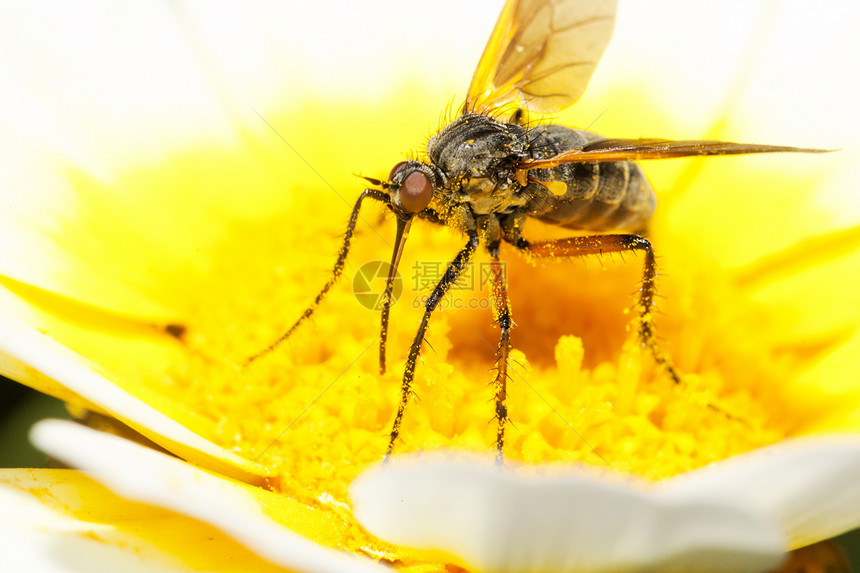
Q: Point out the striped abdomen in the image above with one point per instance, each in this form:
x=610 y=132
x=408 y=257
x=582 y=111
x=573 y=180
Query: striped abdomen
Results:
x=612 y=196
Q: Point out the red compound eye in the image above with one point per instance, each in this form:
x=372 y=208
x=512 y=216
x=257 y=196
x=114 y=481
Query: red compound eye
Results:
x=416 y=192
x=395 y=169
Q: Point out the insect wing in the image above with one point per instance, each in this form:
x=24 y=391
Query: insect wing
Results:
x=642 y=149
x=541 y=53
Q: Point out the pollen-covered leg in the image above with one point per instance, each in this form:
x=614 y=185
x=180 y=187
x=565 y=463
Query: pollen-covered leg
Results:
x=599 y=244
x=335 y=275
x=455 y=269
x=502 y=315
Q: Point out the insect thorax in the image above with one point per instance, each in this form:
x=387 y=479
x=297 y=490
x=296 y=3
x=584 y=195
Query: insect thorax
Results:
x=478 y=155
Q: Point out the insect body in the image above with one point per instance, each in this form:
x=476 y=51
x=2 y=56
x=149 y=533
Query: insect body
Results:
x=482 y=155
x=485 y=176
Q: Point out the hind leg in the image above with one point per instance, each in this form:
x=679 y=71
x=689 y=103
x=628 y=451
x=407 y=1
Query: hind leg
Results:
x=599 y=244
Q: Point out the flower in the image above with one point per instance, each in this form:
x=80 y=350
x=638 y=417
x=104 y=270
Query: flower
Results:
x=175 y=246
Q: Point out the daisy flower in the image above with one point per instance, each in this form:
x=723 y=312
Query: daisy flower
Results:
x=175 y=182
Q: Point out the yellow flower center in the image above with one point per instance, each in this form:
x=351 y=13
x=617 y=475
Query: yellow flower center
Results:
x=316 y=410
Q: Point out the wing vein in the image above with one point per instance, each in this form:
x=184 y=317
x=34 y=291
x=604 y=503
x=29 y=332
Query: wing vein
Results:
x=528 y=48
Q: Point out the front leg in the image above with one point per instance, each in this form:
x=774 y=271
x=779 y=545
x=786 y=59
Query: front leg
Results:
x=335 y=273
x=455 y=269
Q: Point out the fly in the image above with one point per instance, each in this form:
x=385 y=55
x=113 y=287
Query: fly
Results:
x=486 y=175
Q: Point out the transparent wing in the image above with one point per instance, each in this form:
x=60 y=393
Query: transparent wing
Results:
x=641 y=149
x=541 y=53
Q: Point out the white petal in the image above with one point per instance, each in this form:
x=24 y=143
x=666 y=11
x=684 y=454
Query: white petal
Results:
x=809 y=487
x=144 y=475
x=26 y=353
x=581 y=521
x=38 y=540
x=91 y=88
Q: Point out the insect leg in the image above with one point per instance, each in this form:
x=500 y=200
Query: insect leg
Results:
x=598 y=244
x=502 y=315
x=455 y=269
x=336 y=272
